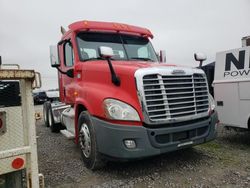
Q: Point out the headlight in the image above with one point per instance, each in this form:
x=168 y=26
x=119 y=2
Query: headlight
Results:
x=211 y=102
x=118 y=110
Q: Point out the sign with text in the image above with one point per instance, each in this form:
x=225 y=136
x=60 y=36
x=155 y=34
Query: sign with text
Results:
x=233 y=64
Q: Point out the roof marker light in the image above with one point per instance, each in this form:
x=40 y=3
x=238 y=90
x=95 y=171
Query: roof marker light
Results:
x=85 y=23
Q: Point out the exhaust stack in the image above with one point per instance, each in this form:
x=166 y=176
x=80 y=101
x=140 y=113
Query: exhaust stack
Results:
x=63 y=31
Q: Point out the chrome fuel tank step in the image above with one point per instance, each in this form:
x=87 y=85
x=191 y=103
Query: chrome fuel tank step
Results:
x=68 y=119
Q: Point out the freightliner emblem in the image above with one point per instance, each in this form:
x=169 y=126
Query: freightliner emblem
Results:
x=178 y=72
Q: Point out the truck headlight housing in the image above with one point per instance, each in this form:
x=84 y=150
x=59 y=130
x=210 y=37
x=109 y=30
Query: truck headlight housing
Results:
x=117 y=110
x=211 y=102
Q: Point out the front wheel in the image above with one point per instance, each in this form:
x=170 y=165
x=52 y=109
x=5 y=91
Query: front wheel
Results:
x=87 y=142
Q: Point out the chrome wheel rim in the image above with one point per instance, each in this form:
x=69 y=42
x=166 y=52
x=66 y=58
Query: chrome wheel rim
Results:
x=85 y=141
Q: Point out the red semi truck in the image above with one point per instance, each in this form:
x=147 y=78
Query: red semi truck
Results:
x=119 y=102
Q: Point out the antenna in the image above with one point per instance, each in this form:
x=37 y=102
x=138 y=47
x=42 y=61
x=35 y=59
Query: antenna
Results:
x=63 y=31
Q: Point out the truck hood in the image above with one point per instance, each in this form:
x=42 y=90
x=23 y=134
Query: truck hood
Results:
x=129 y=68
x=122 y=67
x=135 y=65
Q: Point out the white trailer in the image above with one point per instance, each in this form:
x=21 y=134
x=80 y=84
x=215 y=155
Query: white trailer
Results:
x=18 y=146
x=232 y=87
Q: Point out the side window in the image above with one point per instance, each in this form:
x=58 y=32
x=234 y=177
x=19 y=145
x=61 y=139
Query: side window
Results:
x=69 y=56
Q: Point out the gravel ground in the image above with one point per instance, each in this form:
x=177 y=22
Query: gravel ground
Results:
x=224 y=162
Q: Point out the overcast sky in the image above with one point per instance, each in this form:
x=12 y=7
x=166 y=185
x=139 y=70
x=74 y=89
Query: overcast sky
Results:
x=181 y=27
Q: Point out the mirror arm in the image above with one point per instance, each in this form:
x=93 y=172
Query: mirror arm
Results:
x=115 y=79
x=107 y=53
x=69 y=72
x=61 y=70
x=200 y=65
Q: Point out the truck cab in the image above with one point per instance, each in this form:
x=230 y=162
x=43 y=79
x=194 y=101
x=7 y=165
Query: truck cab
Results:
x=119 y=102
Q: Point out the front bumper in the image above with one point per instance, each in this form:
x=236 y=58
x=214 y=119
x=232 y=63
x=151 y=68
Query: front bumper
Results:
x=151 y=141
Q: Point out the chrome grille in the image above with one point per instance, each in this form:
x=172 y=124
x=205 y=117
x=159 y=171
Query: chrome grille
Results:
x=172 y=96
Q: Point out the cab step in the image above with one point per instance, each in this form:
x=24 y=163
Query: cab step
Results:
x=67 y=134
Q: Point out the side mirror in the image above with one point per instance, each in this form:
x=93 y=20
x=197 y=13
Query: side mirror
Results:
x=162 y=56
x=200 y=57
x=54 y=56
x=106 y=52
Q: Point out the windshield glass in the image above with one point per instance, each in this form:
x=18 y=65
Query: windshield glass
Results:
x=125 y=47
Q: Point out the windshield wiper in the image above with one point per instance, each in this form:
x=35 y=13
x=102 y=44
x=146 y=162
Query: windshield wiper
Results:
x=93 y=58
x=142 y=58
x=97 y=58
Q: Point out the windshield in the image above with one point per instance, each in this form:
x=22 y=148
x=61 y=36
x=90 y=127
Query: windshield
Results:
x=125 y=47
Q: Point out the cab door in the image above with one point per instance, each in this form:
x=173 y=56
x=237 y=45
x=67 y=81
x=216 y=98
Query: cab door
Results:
x=66 y=83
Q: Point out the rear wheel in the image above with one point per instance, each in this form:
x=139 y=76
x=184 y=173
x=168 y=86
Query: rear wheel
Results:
x=55 y=127
x=87 y=142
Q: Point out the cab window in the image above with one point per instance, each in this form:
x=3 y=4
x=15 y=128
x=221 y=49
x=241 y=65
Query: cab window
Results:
x=69 y=56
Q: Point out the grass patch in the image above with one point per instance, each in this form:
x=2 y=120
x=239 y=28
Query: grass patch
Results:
x=211 y=145
x=223 y=154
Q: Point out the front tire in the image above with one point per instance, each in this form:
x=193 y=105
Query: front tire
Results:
x=88 y=144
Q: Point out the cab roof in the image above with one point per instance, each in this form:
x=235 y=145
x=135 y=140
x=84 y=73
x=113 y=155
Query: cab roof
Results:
x=109 y=26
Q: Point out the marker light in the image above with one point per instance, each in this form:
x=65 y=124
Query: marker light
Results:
x=211 y=102
x=17 y=163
